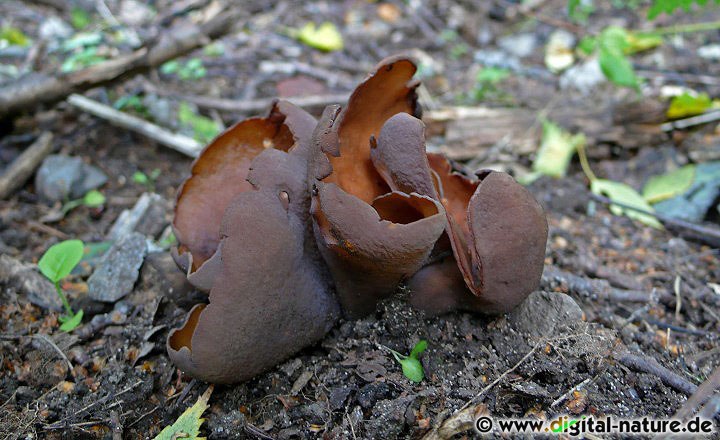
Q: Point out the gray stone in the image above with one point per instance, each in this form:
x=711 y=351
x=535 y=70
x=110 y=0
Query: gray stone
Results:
x=584 y=77
x=709 y=52
x=118 y=270
x=54 y=28
x=28 y=281
x=92 y=178
x=543 y=312
x=56 y=177
x=62 y=178
x=519 y=45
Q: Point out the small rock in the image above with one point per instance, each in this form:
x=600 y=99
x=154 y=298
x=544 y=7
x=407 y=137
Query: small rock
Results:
x=519 y=45
x=371 y=393
x=584 y=77
x=62 y=177
x=93 y=178
x=116 y=274
x=709 y=52
x=29 y=282
x=338 y=396
x=161 y=274
x=135 y=13
x=54 y=28
x=542 y=312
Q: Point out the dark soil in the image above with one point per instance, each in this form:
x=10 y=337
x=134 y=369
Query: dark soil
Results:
x=122 y=384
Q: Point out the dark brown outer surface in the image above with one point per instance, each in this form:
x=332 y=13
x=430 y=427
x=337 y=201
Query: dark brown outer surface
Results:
x=369 y=256
x=267 y=303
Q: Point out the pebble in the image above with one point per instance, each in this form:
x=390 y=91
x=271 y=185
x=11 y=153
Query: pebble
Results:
x=584 y=77
x=28 y=281
x=519 y=45
x=54 y=28
x=116 y=274
x=61 y=178
x=709 y=52
x=542 y=312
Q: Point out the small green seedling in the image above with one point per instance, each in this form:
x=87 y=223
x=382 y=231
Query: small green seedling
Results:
x=147 y=180
x=56 y=264
x=411 y=366
x=92 y=199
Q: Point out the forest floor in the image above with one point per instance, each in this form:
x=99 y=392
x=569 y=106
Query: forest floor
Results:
x=644 y=337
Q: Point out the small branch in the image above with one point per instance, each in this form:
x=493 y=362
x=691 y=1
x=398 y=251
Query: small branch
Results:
x=36 y=89
x=651 y=366
x=703 y=393
x=24 y=166
x=691 y=121
x=177 y=142
x=595 y=287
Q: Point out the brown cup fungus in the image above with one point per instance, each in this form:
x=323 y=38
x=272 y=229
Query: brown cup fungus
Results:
x=288 y=222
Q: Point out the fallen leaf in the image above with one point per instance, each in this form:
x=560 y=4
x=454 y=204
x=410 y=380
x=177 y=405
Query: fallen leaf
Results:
x=625 y=194
x=556 y=149
x=325 y=37
x=187 y=426
x=669 y=185
x=688 y=104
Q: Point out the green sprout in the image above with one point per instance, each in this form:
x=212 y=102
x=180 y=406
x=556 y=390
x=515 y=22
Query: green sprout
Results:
x=56 y=264
x=411 y=366
x=91 y=199
x=147 y=180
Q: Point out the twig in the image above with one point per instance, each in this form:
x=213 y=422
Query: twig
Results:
x=708 y=232
x=23 y=167
x=577 y=387
x=176 y=141
x=691 y=121
x=651 y=366
x=252 y=430
x=36 y=89
x=49 y=341
x=595 y=287
x=700 y=396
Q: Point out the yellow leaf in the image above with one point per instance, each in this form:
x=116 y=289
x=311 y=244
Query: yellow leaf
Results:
x=187 y=426
x=325 y=37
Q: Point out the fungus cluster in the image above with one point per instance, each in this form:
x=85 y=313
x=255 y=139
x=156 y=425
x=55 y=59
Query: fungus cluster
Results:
x=289 y=223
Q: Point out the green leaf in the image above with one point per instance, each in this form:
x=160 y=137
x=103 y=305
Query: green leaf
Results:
x=669 y=185
x=625 y=194
x=640 y=42
x=688 y=104
x=492 y=75
x=93 y=199
x=80 y=18
x=61 y=259
x=204 y=129
x=669 y=6
x=170 y=67
x=71 y=323
x=187 y=426
x=587 y=45
x=140 y=178
x=418 y=348
x=13 y=36
x=612 y=43
x=325 y=37
x=412 y=369
x=556 y=149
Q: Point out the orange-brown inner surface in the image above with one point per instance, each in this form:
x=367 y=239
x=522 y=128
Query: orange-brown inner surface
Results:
x=183 y=336
x=218 y=175
x=376 y=100
x=404 y=210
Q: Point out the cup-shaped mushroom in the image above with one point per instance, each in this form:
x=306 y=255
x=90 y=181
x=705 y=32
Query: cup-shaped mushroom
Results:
x=498 y=233
x=268 y=302
x=220 y=173
x=370 y=249
x=371 y=237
